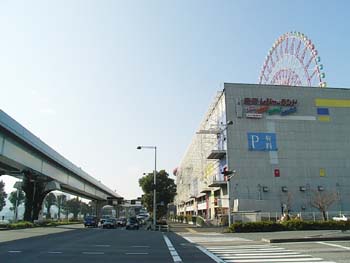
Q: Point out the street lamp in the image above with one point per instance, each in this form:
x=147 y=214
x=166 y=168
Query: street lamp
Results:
x=220 y=132
x=229 y=174
x=154 y=179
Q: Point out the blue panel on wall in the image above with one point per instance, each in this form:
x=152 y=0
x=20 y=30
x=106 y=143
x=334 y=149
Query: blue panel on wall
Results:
x=261 y=141
x=322 y=111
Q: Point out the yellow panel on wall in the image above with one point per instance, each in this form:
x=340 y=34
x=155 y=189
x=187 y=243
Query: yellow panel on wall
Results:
x=324 y=118
x=322 y=172
x=332 y=103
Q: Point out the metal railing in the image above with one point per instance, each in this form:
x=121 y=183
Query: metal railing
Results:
x=275 y=216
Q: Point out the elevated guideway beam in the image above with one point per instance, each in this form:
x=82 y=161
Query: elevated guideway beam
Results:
x=21 y=152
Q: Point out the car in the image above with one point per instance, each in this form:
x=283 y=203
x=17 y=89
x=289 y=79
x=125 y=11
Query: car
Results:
x=121 y=221
x=103 y=219
x=340 y=218
x=132 y=223
x=109 y=223
x=91 y=221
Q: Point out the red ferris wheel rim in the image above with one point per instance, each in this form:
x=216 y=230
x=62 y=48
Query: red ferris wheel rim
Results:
x=293 y=61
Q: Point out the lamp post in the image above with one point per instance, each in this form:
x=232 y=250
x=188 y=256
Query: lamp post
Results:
x=154 y=180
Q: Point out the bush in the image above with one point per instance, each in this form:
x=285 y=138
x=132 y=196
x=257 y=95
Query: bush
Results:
x=194 y=219
x=23 y=224
x=188 y=218
x=256 y=227
x=200 y=221
x=290 y=225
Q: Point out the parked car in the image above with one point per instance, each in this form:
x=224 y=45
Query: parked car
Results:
x=340 y=218
x=121 y=221
x=109 y=223
x=91 y=221
x=132 y=223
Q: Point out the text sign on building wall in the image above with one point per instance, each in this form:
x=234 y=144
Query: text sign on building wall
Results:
x=261 y=141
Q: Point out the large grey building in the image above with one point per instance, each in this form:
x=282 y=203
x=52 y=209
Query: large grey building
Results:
x=287 y=147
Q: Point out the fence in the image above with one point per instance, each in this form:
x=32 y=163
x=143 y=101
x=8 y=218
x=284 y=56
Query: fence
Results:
x=275 y=216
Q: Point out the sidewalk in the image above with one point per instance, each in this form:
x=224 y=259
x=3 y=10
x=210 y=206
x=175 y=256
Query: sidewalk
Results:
x=10 y=235
x=270 y=237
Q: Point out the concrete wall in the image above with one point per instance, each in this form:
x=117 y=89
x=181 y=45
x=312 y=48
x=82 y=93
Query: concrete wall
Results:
x=307 y=148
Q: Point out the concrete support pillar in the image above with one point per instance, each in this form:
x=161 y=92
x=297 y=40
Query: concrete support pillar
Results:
x=35 y=191
x=35 y=194
x=99 y=205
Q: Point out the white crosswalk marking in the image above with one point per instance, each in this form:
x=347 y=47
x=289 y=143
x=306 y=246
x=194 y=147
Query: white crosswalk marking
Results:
x=217 y=237
x=260 y=254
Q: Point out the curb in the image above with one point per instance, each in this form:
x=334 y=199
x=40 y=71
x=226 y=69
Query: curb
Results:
x=304 y=239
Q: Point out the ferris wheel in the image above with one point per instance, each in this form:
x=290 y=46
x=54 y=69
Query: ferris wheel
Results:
x=293 y=61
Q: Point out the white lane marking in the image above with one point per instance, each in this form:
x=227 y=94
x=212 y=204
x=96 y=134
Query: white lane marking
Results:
x=93 y=253
x=211 y=239
x=137 y=253
x=211 y=255
x=14 y=251
x=141 y=246
x=54 y=252
x=172 y=250
x=334 y=245
x=228 y=256
x=267 y=254
x=277 y=260
x=102 y=245
x=244 y=246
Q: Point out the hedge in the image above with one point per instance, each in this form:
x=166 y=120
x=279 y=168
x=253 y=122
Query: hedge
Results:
x=46 y=223
x=289 y=225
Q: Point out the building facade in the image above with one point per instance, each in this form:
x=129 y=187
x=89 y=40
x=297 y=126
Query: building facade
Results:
x=287 y=148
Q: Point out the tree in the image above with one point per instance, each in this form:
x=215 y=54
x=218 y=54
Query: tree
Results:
x=85 y=209
x=92 y=207
x=16 y=198
x=73 y=206
x=3 y=195
x=50 y=200
x=322 y=201
x=165 y=191
x=61 y=203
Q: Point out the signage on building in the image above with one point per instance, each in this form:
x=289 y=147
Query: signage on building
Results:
x=256 y=107
x=269 y=101
x=261 y=141
x=253 y=115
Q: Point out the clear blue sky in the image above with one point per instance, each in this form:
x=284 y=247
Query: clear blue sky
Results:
x=94 y=79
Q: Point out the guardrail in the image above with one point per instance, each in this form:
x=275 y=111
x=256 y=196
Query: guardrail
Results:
x=162 y=228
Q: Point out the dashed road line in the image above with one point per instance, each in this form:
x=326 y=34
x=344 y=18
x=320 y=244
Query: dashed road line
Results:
x=102 y=245
x=14 y=251
x=93 y=253
x=137 y=253
x=172 y=250
x=54 y=252
x=141 y=246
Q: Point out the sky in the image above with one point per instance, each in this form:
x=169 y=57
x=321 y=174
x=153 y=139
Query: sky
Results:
x=95 y=79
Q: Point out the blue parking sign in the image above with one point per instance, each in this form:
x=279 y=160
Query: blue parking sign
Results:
x=261 y=141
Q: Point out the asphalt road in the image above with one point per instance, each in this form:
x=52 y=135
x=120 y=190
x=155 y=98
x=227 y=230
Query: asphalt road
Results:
x=101 y=245
x=248 y=247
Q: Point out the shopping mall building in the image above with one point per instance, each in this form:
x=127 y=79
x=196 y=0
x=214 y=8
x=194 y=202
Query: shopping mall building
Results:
x=286 y=148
